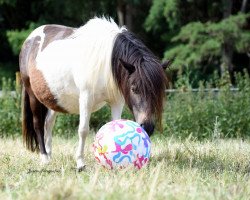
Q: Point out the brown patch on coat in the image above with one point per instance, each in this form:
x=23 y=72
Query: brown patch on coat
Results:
x=55 y=32
x=33 y=78
x=42 y=91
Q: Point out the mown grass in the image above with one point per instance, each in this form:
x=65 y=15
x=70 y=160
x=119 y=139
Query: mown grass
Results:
x=215 y=169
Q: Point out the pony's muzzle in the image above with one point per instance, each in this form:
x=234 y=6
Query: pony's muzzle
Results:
x=148 y=127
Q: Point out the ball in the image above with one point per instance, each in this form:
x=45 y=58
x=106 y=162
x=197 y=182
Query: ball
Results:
x=121 y=144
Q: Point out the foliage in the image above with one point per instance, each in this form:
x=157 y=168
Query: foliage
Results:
x=193 y=33
x=75 y=13
x=190 y=114
x=199 y=35
x=187 y=114
x=8 y=2
x=6 y=71
x=155 y=16
x=10 y=109
x=163 y=10
x=198 y=42
x=16 y=37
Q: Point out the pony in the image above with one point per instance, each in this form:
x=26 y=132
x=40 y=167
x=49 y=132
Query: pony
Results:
x=78 y=71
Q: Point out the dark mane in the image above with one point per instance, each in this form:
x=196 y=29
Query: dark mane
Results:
x=151 y=76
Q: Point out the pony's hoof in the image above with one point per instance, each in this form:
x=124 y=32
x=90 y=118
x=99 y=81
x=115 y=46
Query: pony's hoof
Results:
x=45 y=159
x=80 y=165
x=80 y=169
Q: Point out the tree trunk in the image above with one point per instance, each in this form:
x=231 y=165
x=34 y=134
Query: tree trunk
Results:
x=121 y=12
x=125 y=14
x=243 y=10
x=243 y=6
x=227 y=47
x=227 y=55
x=129 y=16
x=248 y=67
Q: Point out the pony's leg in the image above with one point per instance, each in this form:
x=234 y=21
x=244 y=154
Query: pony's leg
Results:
x=48 y=126
x=116 y=110
x=38 y=111
x=83 y=129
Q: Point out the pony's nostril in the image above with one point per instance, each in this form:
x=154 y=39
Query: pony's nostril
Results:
x=142 y=125
x=148 y=127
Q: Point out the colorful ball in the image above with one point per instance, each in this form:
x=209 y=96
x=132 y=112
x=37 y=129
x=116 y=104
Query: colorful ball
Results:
x=122 y=143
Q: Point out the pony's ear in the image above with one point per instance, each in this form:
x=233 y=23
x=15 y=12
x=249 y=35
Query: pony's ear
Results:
x=130 y=68
x=165 y=64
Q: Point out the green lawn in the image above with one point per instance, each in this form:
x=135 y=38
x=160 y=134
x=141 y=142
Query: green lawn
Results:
x=216 y=169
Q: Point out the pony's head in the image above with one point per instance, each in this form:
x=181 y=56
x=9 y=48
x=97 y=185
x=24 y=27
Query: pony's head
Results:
x=140 y=78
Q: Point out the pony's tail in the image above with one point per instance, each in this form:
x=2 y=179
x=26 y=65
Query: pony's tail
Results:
x=28 y=131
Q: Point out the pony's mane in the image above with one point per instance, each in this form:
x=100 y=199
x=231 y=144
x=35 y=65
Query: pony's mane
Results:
x=151 y=77
x=97 y=24
x=102 y=33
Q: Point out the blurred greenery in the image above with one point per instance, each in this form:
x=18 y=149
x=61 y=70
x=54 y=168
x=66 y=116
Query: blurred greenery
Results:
x=16 y=37
x=195 y=34
x=205 y=36
x=10 y=112
x=199 y=42
x=205 y=114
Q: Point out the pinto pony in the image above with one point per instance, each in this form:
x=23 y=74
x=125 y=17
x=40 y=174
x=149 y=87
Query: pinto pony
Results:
x=78 y=70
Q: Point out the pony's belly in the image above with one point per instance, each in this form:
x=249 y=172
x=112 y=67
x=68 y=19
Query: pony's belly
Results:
x=70 y=102
x=66 y=93
x=98 y=106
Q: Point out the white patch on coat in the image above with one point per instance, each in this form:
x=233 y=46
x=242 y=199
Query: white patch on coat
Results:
x=82 y=62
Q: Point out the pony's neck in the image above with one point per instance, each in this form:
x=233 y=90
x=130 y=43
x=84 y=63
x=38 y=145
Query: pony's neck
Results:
x=97 y=38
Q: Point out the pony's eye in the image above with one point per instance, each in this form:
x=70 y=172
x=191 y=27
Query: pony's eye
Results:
x=134 y=90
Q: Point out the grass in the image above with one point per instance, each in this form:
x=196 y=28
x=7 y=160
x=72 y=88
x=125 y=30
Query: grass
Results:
x=217 y=169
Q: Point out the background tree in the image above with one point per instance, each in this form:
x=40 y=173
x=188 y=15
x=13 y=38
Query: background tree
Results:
x=202 y=34
x=18 y=18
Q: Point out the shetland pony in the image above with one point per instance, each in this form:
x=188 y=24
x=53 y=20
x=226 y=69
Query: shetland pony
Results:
x=78 y=70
